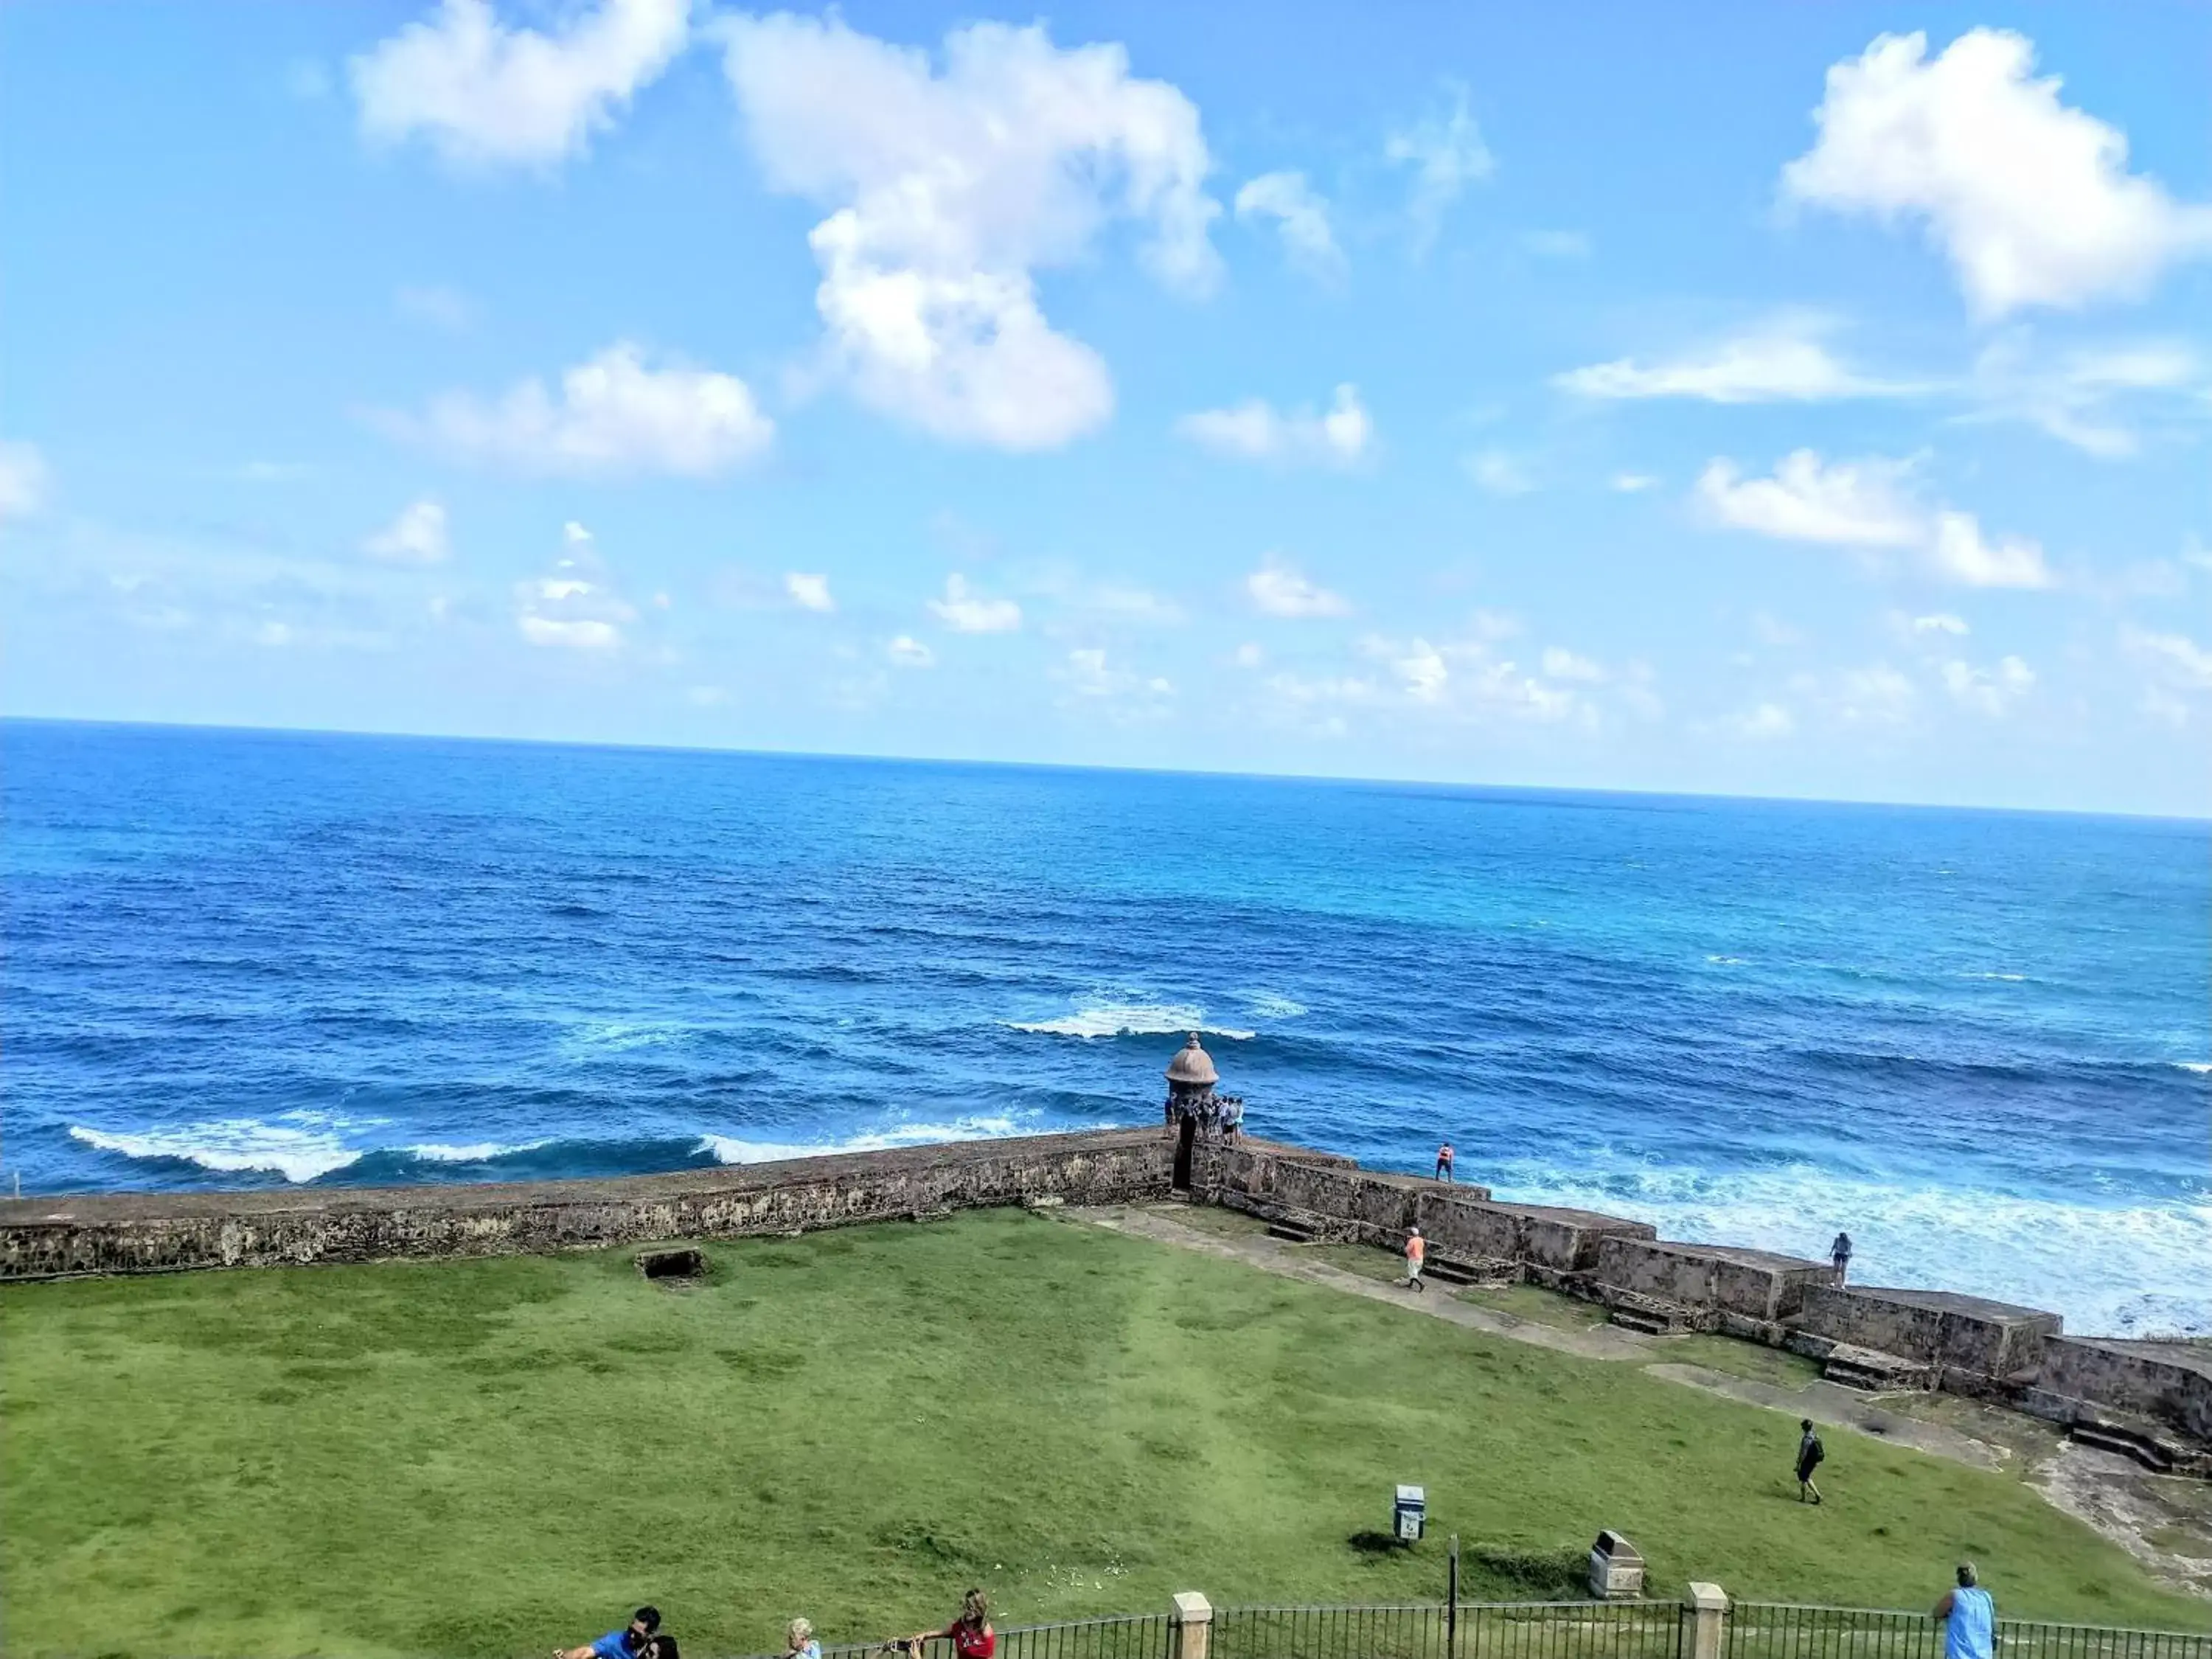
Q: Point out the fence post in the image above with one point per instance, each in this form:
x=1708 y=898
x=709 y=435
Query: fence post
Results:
x=1193 y=1620
x=1451 y=1603
x=1709 y=1611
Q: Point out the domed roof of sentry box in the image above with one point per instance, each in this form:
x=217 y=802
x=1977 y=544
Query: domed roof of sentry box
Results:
x=1192 y=1064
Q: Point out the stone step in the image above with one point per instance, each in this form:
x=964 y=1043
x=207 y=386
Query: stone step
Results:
x=1291 y=1232
x=2146 y=1450
x=1875 y=1372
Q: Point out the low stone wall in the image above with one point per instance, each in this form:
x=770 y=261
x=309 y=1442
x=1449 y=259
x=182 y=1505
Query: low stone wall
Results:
x=1332 y=1198
x=1987 y=1348
x=156 y=1232
x=1754 y=1284
x=2169 y=1383
x=1988 y=1341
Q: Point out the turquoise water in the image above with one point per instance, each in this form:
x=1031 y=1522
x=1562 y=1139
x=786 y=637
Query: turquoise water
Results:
x=1978 y=1041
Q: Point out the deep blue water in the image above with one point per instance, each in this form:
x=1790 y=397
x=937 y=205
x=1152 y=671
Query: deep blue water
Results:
x=1979 y=1040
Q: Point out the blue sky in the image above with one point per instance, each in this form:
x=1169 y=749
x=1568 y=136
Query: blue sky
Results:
x=1787 y=400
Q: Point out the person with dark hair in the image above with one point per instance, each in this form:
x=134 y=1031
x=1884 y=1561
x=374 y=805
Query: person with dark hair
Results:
x=970 y=1634
x=1445 y=1162
x=1969 y=1615
x=1810 y=1455
x=660 y=1647
x=628 y=1643
x=1840 y=1254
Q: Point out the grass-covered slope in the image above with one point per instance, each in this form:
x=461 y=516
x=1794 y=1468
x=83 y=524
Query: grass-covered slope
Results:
x=486 y=1457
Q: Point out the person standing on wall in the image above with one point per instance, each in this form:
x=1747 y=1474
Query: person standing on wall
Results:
x=1840 y=1254
x=1417 y=1253
x=1445 y=1162
x=1969 y=1615
x=1810 y=1455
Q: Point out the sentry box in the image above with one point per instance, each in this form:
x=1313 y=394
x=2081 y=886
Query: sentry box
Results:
x=1409 y=1516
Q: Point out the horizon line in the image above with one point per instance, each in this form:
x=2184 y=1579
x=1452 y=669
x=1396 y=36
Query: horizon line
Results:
x=1079 y=766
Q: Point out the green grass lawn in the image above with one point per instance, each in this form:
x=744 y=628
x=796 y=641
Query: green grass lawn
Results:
x=486 y=1457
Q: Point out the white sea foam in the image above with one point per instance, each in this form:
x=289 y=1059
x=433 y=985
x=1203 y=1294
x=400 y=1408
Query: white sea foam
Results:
x=479 y=1151
x=1269 y=1005
x=617 y=1036
x=731 y=1149
x=2200 y=1067
x=302 y=1146
x=1108 y=1019
x=1726 y=962
x=2126 y=1271
x=2010 y=979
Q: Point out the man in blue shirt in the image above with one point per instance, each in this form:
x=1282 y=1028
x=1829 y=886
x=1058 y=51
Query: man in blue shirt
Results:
x=1970 y=1619
x=618 y=1643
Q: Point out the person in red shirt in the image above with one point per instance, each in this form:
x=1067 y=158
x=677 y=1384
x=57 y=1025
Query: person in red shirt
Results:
x=1445 y=1162
x=970 y=1634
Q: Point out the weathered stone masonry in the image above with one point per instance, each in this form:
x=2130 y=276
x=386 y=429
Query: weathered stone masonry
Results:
x=2152 y=1399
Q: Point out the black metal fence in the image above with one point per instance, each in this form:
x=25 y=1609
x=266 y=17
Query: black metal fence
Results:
x=1769 y=1630
x=1512 y=1630
x=1551 y=1629
x=1141 y=1636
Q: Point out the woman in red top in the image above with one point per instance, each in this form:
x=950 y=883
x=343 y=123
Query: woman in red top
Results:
x=970 y=1634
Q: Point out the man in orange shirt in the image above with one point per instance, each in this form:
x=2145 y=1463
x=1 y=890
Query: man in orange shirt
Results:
x=1416 y=1253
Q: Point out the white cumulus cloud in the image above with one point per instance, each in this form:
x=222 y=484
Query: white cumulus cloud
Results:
x=1851 y=503
x=417 y=536
x=907 y=652
x=483 y=94
x=1256 y=430
x=25 y=480
x=1963 y=554
x=950 y=191
x=1783 y=361
x=1279 y=591
x=614 y=415
x=966 y=611
x=808 y=592
x=2030 y=198
x=1301 y=215
x=1866 y=503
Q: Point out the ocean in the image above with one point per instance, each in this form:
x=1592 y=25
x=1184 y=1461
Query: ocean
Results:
x=1978 y=1041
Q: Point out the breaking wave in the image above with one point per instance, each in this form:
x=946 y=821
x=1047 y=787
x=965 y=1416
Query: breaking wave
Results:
x=306 y=1147
x=1112 y=1019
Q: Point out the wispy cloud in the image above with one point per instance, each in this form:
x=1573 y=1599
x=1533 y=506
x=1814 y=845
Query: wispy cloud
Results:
x=1256 y=431
x=1866 y=503
x=1278 y=590
x=966 y=611
x=1301 y=218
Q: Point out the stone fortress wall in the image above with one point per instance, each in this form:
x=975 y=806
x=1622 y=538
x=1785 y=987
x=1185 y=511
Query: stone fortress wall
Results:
x=2150 y=1400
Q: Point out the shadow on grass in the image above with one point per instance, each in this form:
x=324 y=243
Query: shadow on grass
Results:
x=1375 y=1543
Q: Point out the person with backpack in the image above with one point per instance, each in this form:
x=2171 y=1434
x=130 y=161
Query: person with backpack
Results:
x=1810 y=1455
x=1969 y=1616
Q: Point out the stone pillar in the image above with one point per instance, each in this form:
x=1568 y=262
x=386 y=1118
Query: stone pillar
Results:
x=1193 y=1618
x=1707 y=1608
